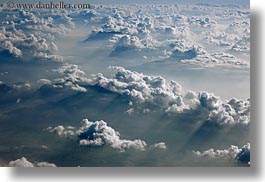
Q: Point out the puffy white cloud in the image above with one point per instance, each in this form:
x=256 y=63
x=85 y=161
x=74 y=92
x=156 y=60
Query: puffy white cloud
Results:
x=236 y=37
x=233 y=111
x=45 y=164
x=7 y=45
x=45 y=81
x=187 y=51
x=62 y=131
x=29 y=35
x=46 y=56
x=155 y=91
x=72 y=77
x=203 y=21
x=23 y=162
x=233 y=152
x=160 y=145
x=72 y=73
x=135 y=30
x=141 y=88
x=130 y=111
x=22 y=85
x=98 y=133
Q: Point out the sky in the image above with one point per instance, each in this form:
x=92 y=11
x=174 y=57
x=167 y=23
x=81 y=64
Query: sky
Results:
x=126 y=85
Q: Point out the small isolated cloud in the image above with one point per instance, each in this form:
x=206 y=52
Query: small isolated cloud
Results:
x=160 y=145
x=233 y=152
x=23 y=162
x=98 y=133
x=44 y=81
x=72 y=77
x=22 y=85
x=62 y=131
x=45 y=164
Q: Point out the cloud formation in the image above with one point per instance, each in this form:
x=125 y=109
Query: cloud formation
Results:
x=141 y=88
x=98 y=133
x=233 y=111
x=23 y=162
x=233 y=152
x=154 y=90
x=72 y=77
x=28 y=35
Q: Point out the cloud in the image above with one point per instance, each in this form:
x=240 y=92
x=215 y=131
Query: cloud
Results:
x=152 y=91
x=233 y=111
x=62 y=131
x=160 y=145
x=203 y=21
x=45 y=164
x=22 y=85
x=98 y=133
x=72 y=77
x=45 y=81
x=136 y=30
x=187 y=51
x=23 y=162
x=31 y=37
x=7 y=45
x=233 y=152
x=236 y=37
x=141 y=88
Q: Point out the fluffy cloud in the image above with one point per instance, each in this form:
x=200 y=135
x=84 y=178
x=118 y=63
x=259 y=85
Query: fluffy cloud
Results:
x=233 y=111
x=155 y=91
x=135 y=30
x=22 y=86
x=236 y=37
x=202 y=21
x=62 y=131
x=142 y=88
x=160 y=145
x=72 y=77
x=45 y=81
x=98 y=133
x=29 y=35
x=233 y=152
x=45 y=164
x=187 y=51
x=23 y=162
